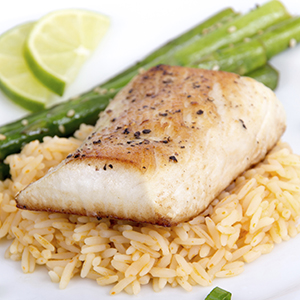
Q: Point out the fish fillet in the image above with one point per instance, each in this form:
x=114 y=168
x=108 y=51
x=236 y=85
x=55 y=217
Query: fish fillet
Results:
x=164 y=148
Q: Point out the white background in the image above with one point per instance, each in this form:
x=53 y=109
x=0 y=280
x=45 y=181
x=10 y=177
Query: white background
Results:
x=137 y=27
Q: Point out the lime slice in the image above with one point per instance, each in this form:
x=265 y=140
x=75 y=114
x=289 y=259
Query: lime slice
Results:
x=59 y=44
x=16 y=79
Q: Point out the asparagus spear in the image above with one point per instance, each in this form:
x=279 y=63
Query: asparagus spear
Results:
x=96 y=93
x=230 y=32
x=240 y=59
x=61 y=120
x=277 y=40
x=267 y=75
x=248 y=56
x=240 y=28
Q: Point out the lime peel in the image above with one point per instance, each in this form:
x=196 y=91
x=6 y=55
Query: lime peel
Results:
x=16 y=80
x=74 y=33
x=57 y=85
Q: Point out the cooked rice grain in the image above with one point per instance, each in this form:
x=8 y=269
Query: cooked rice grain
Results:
x=259 y=209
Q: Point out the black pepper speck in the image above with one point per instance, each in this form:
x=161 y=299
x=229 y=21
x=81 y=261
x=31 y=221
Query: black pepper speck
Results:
x=243 y=124
x=173 y=158
x=137 y=134
x=146 y=131
x=96 y=142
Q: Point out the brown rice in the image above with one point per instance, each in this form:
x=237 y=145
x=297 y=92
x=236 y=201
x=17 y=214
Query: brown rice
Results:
x=258 y=210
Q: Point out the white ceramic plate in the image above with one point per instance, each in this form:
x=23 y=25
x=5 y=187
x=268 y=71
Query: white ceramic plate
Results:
x=137 y=28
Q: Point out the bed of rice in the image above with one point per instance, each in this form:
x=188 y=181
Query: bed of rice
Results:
x=257 y=211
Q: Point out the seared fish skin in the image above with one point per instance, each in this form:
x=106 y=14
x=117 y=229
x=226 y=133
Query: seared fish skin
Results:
x=164 y=148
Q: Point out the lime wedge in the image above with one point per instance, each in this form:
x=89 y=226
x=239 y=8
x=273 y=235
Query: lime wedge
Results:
x=60 y=42
x=16 y=79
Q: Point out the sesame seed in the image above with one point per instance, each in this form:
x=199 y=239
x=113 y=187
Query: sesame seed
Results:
x=71 y=113
x=97 y=89
x=2 y=137
x=231 y=29
x=216 y=68
x=24 y=122
x=205 y=31
x=247 y=39
x=292 y=43
x=141 y=70
x=100 y=90
x=61 y=128
x=260 y=32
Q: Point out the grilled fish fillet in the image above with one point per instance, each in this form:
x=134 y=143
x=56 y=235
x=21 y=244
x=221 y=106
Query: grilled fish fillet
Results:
x=164 y=148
